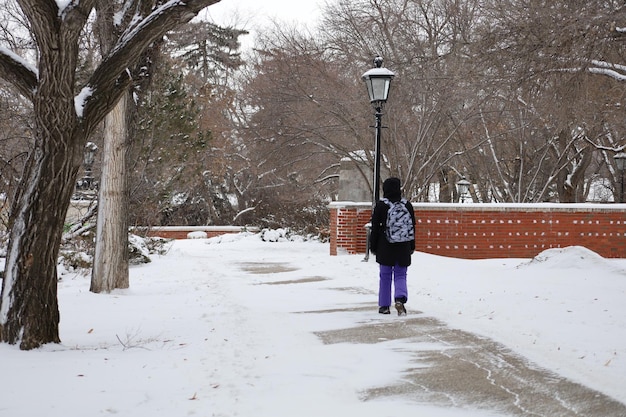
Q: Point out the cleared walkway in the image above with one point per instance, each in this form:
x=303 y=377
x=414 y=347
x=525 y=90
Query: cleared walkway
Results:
x=457 y=369
x=467 y=370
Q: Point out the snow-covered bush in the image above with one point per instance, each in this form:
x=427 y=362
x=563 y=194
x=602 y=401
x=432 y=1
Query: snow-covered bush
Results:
x=286 y=235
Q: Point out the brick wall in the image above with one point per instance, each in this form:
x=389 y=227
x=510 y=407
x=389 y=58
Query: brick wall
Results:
x=181 y=232
x=479 y=231
x=347 y=228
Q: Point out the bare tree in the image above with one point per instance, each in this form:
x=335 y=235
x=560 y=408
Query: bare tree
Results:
x=550 y=54
x=505 y=92
x=426 y=44
x=304 y=121
x=65 y=114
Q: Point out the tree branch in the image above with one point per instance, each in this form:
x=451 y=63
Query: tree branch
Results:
x=111 y=78
x=46 y=25
x=18 y=72
x=616 y=71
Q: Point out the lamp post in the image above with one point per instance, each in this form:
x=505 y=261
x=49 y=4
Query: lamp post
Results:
x=88 y=159
x=378 y=81
x=620 y=162
x=86 y=183
x=462 y=187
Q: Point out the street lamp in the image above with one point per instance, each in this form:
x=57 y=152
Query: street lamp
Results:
x=620 y=162
x=378 y=81
x=462 y=187
x=89 y=157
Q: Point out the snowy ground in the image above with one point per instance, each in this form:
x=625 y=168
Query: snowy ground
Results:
x=214 y=328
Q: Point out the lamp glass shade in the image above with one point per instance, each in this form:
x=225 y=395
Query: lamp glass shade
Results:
x=378 y=81
x=620 y=160
x=89 y=154
x=463 y=186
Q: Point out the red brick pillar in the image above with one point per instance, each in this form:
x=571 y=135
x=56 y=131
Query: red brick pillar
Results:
x=347 y=227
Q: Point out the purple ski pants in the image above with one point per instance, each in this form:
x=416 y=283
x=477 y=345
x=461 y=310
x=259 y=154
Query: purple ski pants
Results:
x=387 y=274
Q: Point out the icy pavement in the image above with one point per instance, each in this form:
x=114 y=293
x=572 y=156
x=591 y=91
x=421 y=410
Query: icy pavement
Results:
x=450 y=368
x=458 y=369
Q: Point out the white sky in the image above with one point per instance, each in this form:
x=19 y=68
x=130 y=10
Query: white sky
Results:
x=258 y=11
x=255 y=14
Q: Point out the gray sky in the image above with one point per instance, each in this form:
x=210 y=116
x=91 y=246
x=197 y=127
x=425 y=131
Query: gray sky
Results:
x=253 y=15
x=257 y=13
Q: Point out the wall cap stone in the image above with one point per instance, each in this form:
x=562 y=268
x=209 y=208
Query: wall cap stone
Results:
x=349 y=204
x=235 y=229
x=556 y=207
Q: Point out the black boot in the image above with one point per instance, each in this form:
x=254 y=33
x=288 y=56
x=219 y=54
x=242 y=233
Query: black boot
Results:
x=384 y=310
x=400 y=308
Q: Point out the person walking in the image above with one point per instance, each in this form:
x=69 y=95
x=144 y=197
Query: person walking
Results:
x=392 y=241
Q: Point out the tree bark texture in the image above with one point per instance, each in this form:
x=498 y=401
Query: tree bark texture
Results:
x=29 y=303
x=110 y=269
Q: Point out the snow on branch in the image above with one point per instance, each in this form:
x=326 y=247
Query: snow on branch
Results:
x=611 y=73
x=139 y=24
x=81 y=99
x=604 y=64
x=242 y=212
x=614 y=71
x=18 y=72
x=61 y=5
x=327 y=178
x=19 y=60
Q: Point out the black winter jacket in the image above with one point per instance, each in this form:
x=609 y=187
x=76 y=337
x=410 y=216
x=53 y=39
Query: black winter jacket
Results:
x=389 y=253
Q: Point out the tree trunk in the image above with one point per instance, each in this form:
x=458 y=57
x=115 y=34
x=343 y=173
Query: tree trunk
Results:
x=110 y=269
x=29 y=311
x=446 y=190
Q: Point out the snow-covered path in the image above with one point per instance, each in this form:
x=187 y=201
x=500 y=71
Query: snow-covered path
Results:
x=250 y=328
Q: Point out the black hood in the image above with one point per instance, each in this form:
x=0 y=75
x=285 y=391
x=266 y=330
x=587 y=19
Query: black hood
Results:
x=391 y=189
